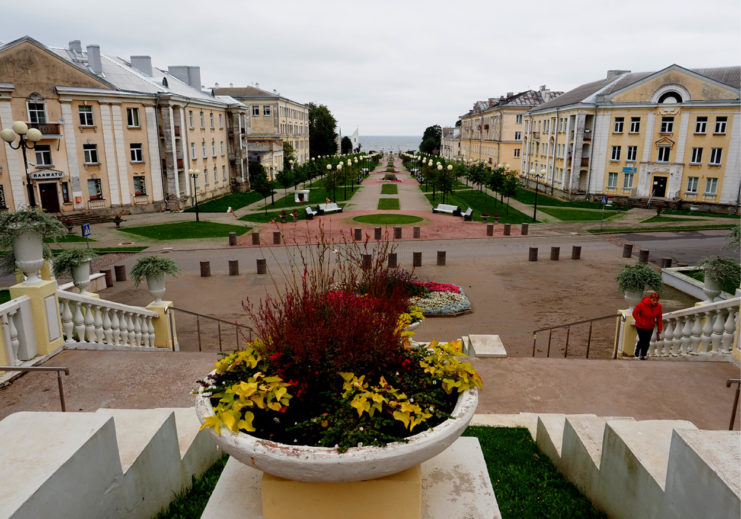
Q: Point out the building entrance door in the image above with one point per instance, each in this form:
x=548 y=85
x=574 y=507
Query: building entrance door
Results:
x=659 y=188
x=49 y=197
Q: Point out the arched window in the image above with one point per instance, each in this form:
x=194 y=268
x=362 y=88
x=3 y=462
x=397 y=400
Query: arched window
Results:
x=670 y=98
x=36 y=108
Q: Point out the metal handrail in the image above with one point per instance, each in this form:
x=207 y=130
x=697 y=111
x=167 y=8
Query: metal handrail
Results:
x=736 y=381
x=568 y=333
x=44 y=368
x=198 y=316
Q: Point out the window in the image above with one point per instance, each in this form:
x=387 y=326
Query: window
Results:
x=221 y=121
x=203 y=123
x=720 y=124
x=255 y=110
x=36 y=112
x=222 y=148
x=203 y=148
x=612 y=179
x=518 y=119
x=43 y=155
x=615 y=155
x=86 y=115
x=628 y=181
x=190 y=119
x=65 y=192
x=266 y=110
x=663 y=155
x=132 y=118
x=193 y=150
x=618 y=126
x=140 y=186
x=213 y=148
x=711 y=186
x=635 y=124
x=715 y=155
x=517 y=152
x=2 y=198
x=632 y=152
x=91 y=153
x=135 y=151
x=94 y=189
x=667 y=124
x=223 y=173
x=216 y=175
x=692 y=183
x=696 y=156
x=518 y=136
x=211 y=119
x=701 y=125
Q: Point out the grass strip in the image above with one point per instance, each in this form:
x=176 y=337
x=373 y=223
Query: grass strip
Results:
x=388 y=219
x=389 y=189
x=568 y=214
x=4 y=296
x=699 y=213
x=528 y=197
x=317 y=195
x=387 y=204
x=657 y=219
x=110 y=250
x=67 y=238
x=481 y=202
x=525 y=482
x=700 y=227
x=192 y=502
x=221 y=204
x=185 y=230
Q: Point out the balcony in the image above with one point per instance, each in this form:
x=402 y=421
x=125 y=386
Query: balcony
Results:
x=177 y=131
x=585 y=162
x=48 y=130
x=536 y=135
x=587 y=135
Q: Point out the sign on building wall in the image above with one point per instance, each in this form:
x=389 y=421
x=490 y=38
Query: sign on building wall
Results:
x=48 y=174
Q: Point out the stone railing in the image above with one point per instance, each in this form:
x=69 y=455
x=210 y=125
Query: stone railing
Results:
x=16 y=332
x=708 y=329
x=88 y=319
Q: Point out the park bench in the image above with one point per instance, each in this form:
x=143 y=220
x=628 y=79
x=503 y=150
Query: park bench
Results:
x=467 y=215
x=329 y=208
x=310 y=213
x=447 y=208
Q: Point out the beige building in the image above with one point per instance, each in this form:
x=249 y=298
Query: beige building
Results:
x=450 y=142
x=671 y=135
x=273 y=120
x=492 y=131
x=119 y=136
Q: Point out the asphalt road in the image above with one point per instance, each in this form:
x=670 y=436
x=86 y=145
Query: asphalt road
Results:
x=684 y=247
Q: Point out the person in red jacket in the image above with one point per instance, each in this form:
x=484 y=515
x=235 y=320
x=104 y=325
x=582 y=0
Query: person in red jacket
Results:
x=647 y=314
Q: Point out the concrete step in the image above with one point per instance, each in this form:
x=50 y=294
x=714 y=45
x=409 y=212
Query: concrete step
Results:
x=549 y=435
x=198 y=451
x=527 y=420
x=486 y=346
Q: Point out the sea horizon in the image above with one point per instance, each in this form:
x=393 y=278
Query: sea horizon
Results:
x=393 y=143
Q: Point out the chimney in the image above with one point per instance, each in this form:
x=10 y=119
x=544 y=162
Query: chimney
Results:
x=612 y=74
x=75 y=46
x=187 y=74
x=510 y=94
x=143 y=64
x=543 y=88
x=93 y=59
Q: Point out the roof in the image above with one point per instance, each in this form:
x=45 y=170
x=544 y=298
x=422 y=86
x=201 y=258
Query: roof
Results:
x=249 y=92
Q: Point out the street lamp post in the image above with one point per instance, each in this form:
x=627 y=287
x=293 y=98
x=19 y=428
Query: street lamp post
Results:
x=25 y=135
x=339 y=171
x=537 y=178
x=194 y=176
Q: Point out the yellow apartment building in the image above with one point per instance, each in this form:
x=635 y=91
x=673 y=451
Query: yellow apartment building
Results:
x=670 y=136
x=450 y=143
x=492 y=131
x=273 y=120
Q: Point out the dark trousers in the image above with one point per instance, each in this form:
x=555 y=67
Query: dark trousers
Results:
x=644 y=340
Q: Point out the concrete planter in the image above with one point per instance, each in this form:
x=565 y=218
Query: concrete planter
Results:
x=413 y=326
x=633 y=297
x=156 y=286
x=711 y=287
x=29 y=256
x=81 y=276
x=323 y=464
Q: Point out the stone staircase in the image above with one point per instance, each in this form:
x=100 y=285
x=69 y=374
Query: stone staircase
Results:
x=112 y=463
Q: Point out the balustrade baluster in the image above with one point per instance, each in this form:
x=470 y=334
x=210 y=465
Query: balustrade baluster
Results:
x=90 y=323
x=132 y=331
x=707 y=331
x=79 y=322
x=98 y=315
x=145 y=331
x=684 y=344
x=107 y=330
x=729 y=330
x=67 y=324
x=696 y=334
x=137 y=330
x=116 y=328
x=677 y=340
x=718 y=329
x=668 y=334
x=150 y=329
x=124 y=327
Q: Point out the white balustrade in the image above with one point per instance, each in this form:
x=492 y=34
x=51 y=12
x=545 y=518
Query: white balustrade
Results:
x=706 y=330
x=88 y=319
x=15 y=320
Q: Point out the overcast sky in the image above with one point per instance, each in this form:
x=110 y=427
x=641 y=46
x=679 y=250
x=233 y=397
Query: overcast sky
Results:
x=394 y=67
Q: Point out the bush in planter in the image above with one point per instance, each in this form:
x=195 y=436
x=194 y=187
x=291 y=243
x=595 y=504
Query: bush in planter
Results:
x=69 y=259
x=635 y=278
x=16 y=223
x=726 y=271
x=152 y=266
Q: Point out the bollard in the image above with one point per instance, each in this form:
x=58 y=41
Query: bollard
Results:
x=490 y=229
x=120 y=272
x=416 y=232
x=397 y=233
x=108 y=277
x=627 y=250
x=576 y=252
x=666 y=263
x=276 y=237
x=358 y=234
x=232 y=238
x=440 y=258
x=643 y=255
x=524 y=229
x=366 y=264
x=392 y=260
x=507 y=229
x=533 y=254
x=255 y=238
x=555 y=253
x=377 y=233
x=233 y=267
x=416 y=259
x=262 y=266
x=205 y=269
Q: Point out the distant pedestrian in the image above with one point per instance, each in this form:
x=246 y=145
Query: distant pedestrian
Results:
x=647 y=315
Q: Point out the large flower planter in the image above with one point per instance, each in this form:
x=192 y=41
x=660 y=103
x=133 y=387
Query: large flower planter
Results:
x=633 y=297
x=156 y=287
x=323 y=464
x=81 y=276
x=28 y=250
x=711 y=287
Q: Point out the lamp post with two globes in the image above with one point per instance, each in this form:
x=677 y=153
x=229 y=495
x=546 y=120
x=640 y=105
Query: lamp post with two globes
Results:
x=194 y=176
x=25 y=135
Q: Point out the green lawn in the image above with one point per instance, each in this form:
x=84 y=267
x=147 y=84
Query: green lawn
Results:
x=388 y=203
x=275 y=215
x=233 y=200
x=480 y=202
x=317 y=195
x=186 y=230
x=389 y=189
x=528 y=197
x=656 y=228
x=4 y=296
x=388 y=219
x=576 y=215
x=699 y=213
x=67 y=238
x=656 y=219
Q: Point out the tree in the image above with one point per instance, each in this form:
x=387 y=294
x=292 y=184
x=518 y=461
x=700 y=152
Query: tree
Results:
x=322 y=137
x=346 y=145
x=284 y=179
x=445 y=181
x=431 y=140
x=509 y=187
x=287 y=155
x=259 y=180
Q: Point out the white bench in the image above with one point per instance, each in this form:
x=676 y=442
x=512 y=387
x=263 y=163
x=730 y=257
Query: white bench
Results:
x=310 y=213
x=467 y=215
x=447 y=208
x=329 y=208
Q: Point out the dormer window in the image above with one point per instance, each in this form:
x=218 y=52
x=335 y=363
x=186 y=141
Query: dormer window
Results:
x=36 y=109
x=670 y=98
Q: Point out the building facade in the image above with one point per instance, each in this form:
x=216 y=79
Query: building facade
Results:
x=671 y=136
x=450 y=142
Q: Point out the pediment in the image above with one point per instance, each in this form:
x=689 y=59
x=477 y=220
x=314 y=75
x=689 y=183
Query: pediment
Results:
x=664 y=141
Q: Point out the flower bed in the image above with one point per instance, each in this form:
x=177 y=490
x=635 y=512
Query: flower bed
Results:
x=442 y=299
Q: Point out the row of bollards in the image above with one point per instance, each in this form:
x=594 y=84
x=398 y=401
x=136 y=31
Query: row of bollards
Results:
x=555 y=253
x=643 y=255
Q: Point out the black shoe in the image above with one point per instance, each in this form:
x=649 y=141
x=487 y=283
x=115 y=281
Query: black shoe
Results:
x=643 y=358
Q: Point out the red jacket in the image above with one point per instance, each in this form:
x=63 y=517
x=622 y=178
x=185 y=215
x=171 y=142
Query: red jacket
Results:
x=647 y=316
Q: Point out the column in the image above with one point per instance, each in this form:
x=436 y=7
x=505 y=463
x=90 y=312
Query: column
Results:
x=110 y=153
x=15 y=164
x=72 y=164
x=122 y=153
x=155 y=162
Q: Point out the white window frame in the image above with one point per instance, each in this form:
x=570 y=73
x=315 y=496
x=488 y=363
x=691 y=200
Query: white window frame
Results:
x=223 y=172
x=193 y=150
x=635 y=125
x=203 y=121
x=716 y=155
x=39 y=114
x=692 y=184
x=518 y=136
x=631 y=153
x=136 y=153
x=721 y=124
x=221 y=121
x=255 y=110
x=211 y=119
x=711 y=186
x=90 y=154
x=97 y=192
x=517 y=153
x=132 y=118
x=615 y=153
x=213 y=147
x=203 y=148
x=43 y=151
x=667 y=124
x=85 y=113
x=266 y=110
x=222 y=148
x=696 y=157
x=612 y=179
x=518 y=119
x=628 y=179
x=618 y=125
x=190 y=119
x=663 y=150
x=701 y=125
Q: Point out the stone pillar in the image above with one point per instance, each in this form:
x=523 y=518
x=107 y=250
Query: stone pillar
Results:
x=666 y=263
x=643 y=255
x=165 y=331
x=233 y=267
x=367 y=261
x=490 y=229
x=232 y=238
x=576 y=252
x=276 y=237
x=205 y=269
x=397 y=233
x=358 y=234
x=533 y=254
x=507 y=229
x=627 y=250
x=255 y=238
x=416 y=231
x=47 y=323
x=440 y=258
x=377 y=233
x=120 y=272
x=393 y=262
x=524 y=229
x=416 y=259
x=555 y=252
x=262 y=266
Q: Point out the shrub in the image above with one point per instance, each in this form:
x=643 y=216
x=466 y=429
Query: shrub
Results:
x=638 y=277
x=726 y=271
x=151 y=266
x=69 y=259
x=15 y=223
